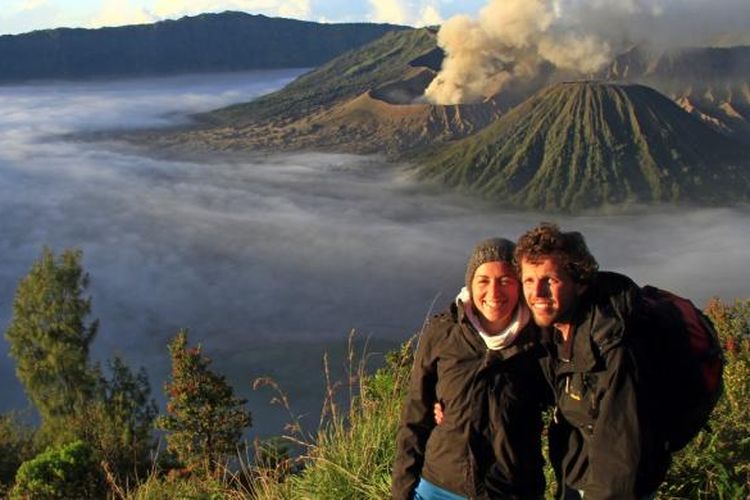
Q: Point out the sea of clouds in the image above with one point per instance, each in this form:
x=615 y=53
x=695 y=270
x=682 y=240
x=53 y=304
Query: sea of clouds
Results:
x=271 y=260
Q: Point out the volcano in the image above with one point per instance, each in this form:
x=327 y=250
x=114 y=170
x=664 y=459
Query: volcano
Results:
x=366 y=101
x=580 y=145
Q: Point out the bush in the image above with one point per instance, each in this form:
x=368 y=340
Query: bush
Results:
x=119 y=422
x=204 y=421
x=717 y=463
x=16 y=446
x=66 y=472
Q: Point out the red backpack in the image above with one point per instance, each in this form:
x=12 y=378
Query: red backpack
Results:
x=689 y=365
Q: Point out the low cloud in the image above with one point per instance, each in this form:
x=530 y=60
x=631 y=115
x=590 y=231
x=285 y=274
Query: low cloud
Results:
x=26 y=5
x=285 y=8
x=122 y=12
x=412 y=13
x=26 y=15
x=263 y=256
x=388 y=11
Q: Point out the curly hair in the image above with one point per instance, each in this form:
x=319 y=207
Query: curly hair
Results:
x=547 y=240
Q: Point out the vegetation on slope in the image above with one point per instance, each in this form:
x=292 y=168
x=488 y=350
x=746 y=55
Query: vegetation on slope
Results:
x=578 y=145
x=341 y=79
x=689 y=65
x=365 y=101
x=382 y=68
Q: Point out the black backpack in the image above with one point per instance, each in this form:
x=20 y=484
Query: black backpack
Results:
x=688 y=365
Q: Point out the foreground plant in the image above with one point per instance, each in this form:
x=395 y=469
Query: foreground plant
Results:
x=352 y=453
x=204 y=420
x=59 y=473
x=717 y=463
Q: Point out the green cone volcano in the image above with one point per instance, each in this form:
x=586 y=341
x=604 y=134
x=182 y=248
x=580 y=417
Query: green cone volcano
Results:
x=579 y=145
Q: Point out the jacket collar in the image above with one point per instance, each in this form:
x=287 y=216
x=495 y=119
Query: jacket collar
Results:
x=600 y=321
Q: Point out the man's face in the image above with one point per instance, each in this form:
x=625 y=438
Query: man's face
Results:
x=550 y=291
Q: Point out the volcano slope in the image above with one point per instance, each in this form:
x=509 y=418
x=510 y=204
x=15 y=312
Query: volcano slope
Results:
x=711 y=83
x=580 y=145
x=365 y=101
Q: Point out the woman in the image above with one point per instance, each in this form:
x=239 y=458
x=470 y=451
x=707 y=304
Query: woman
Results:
x=478 y=359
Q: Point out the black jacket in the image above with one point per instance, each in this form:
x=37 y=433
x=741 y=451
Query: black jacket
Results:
x=489 y=444
x=603 y=438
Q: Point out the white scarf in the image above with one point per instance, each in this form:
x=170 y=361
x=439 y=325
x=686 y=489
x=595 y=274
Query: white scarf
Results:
x=500 y=339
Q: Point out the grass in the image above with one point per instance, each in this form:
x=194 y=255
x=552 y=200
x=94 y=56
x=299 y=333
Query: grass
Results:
x=352 y=452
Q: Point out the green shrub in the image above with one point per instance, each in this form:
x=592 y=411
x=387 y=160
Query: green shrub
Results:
x=204 y=420
x=67 y=472
x=16 y=446
x=717 y=463
x=119 y=422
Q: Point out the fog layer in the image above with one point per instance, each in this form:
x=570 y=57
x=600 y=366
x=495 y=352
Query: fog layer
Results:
x=271 y=260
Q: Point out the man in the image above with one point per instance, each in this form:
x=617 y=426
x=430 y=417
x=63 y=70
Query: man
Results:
x=603 y=439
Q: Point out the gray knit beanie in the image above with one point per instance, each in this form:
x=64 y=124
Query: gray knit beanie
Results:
x=492 y=250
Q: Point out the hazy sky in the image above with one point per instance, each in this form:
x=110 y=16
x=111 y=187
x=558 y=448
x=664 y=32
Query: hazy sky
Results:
x=680 y=21
x=18 y=16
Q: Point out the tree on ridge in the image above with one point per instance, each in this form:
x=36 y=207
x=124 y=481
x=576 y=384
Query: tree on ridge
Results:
x=50 y=337
x=204 y=420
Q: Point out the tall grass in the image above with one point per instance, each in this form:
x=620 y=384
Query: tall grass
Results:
x=351 y=454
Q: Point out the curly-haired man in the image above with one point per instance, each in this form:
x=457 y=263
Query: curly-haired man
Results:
x=603 y=443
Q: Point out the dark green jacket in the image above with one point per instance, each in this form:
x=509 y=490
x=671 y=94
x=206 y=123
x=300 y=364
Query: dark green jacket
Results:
x=489 y=444
x=603 y=438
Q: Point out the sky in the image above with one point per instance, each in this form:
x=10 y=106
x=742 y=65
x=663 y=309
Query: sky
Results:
x=19 y=16
x=665 y=22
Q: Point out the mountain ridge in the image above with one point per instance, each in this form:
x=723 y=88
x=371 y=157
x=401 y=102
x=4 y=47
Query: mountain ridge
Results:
x=227 y=41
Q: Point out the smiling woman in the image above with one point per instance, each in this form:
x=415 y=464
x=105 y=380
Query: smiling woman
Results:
x=478 y=361
x=494 y=293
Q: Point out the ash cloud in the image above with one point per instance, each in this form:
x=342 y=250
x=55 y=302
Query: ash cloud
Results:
x=510 y=40
x=272 y=260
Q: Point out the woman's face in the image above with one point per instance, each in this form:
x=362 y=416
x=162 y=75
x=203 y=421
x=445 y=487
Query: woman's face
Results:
x=494 y=293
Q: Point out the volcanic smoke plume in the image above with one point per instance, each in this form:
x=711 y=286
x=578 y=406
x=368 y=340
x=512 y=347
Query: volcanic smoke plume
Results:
x=510 y=40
